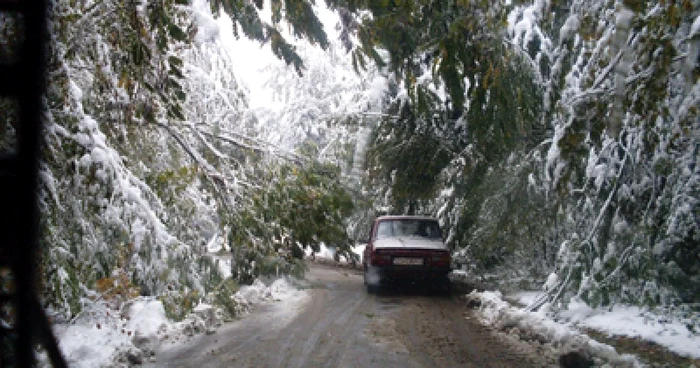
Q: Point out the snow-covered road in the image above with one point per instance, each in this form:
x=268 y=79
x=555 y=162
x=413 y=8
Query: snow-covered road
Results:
x=340 y=325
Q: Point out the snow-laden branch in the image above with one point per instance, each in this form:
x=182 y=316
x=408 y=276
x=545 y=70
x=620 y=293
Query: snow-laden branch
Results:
x=214 y=176
x=270 y=149
x=604 y=74
x=380 y=114
x=533 y=64
x=616 y=185
x=206 y=142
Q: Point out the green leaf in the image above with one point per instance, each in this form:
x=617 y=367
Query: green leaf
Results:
x=175 y=111
x=172 y=83
x=175 y=61
x=137 y=53
x=176 y=72
x=176 y=32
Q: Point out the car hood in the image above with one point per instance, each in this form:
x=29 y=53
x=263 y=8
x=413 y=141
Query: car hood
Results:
x=410 y=243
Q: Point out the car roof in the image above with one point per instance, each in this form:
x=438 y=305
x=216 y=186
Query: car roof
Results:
x=405 y=217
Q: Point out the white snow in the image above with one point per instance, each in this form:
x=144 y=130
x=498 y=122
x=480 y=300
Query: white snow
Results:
x=494 y=311
x=624 y=18
x=630 y=321
x=90 y=345
x=695 y=28
x=328 y=253
x=216 y=249
x=147 y=317
x=570 y=27
x=207 y=27
x=552 y=281
x=93 y=339
x=324 y=252
x=566 y=334
x=98 y=335
x=279 y=291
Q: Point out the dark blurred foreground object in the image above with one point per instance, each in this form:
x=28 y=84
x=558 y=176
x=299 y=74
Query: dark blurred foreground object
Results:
x=23 y=322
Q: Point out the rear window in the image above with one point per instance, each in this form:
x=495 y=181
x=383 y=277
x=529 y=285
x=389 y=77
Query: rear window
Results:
x=395 y=228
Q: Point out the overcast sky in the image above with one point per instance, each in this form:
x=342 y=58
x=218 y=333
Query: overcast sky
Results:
x=250 y=57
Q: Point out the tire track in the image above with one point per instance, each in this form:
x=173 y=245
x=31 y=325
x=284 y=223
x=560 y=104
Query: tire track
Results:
x=311 y=340
x=343 y=326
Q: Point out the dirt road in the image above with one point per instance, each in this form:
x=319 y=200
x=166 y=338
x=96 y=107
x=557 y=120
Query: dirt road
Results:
x=341 y=325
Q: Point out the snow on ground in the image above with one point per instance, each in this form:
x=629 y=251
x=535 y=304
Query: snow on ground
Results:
x=280 y=291
x=566 y=333
x=329 y=252
x=90 y=344
x=494 y=311
x=102 y=337
x=634 y=322
x=97 y=335
x=630 y=321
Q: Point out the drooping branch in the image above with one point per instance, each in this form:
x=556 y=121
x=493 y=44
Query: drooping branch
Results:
x=258 y=147
x=213 y=176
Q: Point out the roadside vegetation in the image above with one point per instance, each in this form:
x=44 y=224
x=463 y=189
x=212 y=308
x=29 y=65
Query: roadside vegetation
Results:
x=556 y=141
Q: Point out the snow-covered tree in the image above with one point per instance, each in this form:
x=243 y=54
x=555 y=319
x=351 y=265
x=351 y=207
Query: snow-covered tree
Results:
x=565 y=141
x=622 y=100
x=147 y=145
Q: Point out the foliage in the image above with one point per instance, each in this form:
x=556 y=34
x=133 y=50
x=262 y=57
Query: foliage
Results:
x=620 y=165
x=295 y=208
x=105 y=94
x=458 y=41
x=143 y=152
x=409 y=162
x=222 y=296
x=178 y=304
x=573 y=147
x=151 y=151
x=459 y=94
x=297 y=14
x=116 y=289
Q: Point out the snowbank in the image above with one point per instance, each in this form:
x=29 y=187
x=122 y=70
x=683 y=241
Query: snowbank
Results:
x=100 y=334
x=280 y=291
x=629 y=321
x=536 y=326
x=634 y=322
x=102 y=337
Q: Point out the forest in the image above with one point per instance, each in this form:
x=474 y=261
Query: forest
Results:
x=555 y=140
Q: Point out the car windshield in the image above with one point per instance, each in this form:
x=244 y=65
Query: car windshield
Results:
x=408 y=227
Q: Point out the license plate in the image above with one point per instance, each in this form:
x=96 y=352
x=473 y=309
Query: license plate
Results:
x=404 y=261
